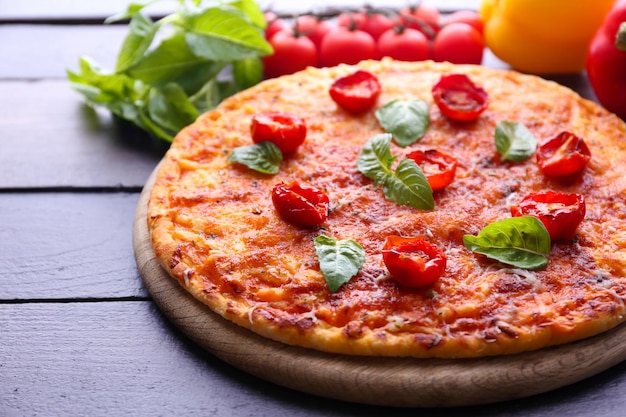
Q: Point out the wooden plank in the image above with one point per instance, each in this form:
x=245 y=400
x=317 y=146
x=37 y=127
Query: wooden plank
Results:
x=123 y=358
x=47 y=51
x=67 y=246
x=75 y=146
x=64 y=9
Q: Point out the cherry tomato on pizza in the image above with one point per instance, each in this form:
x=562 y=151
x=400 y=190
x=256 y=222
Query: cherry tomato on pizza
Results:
x=560 y=213
x=565 y=154
x=412 y=261
x=458 y=98
x=300 y=205
x=356 y=92
x=285 y=130
x=438 y=167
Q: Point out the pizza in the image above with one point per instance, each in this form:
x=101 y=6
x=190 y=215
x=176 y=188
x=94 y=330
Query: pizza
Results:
x=424 y=210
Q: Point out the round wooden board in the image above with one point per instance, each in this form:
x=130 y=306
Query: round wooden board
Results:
x=400 y=382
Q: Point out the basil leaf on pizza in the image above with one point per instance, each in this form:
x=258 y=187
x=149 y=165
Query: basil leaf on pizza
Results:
x=523 y=242
x=339 y=260
x=514 y=141
x=407 y=121
x=407 y=185
x=263 y=157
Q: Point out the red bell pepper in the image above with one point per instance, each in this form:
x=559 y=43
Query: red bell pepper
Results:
x=606 y=61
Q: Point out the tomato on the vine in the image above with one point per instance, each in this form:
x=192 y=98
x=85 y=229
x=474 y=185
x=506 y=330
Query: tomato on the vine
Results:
x=412 y=261
x=458 y=43
x=403 y=44
x=300 y=205
x=356 y=92
x=345 y=46
x=469 y=17
x=458 y=98
x=438 y=167
x=560 y=213
x=565 y=154
x=423 y=17
x=375 y=24
x=285 y=130
x=292 y=52
x=274 y=25
x=313 y=28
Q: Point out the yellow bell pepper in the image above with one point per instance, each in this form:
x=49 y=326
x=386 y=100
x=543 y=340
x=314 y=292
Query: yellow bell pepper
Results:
x=542 y=36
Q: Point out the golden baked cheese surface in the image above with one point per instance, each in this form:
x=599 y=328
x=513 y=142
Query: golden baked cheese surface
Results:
x=214 y=228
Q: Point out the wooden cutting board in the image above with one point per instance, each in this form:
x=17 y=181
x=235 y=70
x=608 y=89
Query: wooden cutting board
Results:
x=402 y=382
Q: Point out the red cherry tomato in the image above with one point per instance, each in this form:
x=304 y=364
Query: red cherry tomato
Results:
x=313 y=28
x=458 y=98
x=404 y=44
x=412 y=261
x=438 y=167
x=560 y=213
x=424 y=18
x=300 y=205
x=356 y=92
x=285 y=130
x=292 y=52
x=274 y=25
x=342 y=45
x=565 y=154
x=350 y=20
x=375 y=24
x=469 y=17
x=459 y=43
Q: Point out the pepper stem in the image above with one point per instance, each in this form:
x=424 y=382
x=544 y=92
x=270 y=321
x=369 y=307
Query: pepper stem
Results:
x=620 y=38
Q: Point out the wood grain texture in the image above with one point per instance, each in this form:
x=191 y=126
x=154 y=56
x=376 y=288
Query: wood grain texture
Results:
x=378 y=381
x=67 y=245
x=52 y=139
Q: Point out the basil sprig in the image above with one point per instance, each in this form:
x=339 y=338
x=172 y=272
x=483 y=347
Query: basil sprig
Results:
x=166 y=72
x=514 y=141
x=339 y=260
x=406 y=185
x=407 y=121
x=263 y=157
x=522 y=242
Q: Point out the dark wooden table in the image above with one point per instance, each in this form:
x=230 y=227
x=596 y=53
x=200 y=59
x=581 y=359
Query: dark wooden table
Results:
x=79 y=333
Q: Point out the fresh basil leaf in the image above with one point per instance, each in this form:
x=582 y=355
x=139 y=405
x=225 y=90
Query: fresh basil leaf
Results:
x=522 y=242
x=247 y=72
x=406 y=185
x=514 y=141
x=407 y=121
x=251 y=11
x=223 y=35
x=131 y=10
x=409 y=186
x=170 y=108
x=375 y=158
x=263 y=157
x=340 y=260
x=141 y=31
x=173 y=62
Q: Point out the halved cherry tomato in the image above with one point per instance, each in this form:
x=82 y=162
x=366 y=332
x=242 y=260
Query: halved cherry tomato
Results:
x=285 y=130
x=560 y=213
x=565 y=154
x=439 y=167
x=300 y=205
x=458 y=98
x=412 y=261
x=356 y=92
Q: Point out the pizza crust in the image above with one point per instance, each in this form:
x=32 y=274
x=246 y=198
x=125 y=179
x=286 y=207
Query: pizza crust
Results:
x=214 y=229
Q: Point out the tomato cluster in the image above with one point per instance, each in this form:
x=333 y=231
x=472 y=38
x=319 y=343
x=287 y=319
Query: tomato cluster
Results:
x=412 y=34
